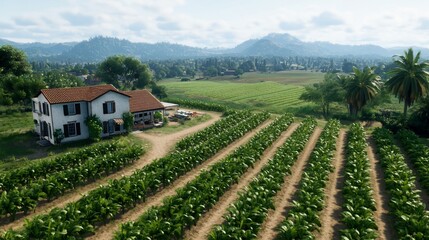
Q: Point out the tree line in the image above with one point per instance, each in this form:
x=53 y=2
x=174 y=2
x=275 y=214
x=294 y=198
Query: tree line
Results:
x=406 y=79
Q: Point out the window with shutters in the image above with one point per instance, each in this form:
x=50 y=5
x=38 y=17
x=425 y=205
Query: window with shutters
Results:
x=71 y=109
x=109 y=107
x=45 y=108
x=71 y=129
x=34 y=106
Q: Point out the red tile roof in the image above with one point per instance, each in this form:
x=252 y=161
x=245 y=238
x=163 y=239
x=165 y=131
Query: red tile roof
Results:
x=143 y=100
x=77 y=94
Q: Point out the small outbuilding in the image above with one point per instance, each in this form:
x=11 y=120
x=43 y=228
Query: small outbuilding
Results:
x=143 y=106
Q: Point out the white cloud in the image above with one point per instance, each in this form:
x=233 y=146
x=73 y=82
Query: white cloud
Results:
x=218 y=23
x=284 y=25
x=78 y=19
x=326 y=19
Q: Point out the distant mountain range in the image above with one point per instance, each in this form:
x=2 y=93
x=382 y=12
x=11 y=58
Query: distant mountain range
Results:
x=98 y=48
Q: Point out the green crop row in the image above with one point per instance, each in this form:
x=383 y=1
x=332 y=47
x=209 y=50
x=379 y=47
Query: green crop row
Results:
x=247 y=213
x=304 y=217
x=419 y=154
x=359 y=205
x=221 y=125
x=24 y=176
x=103 y=204
x=411 y=218
x=26 y=198
x=170 y=220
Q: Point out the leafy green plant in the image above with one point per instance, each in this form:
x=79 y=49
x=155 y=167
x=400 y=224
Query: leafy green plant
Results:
x=419 y=154
x=359 y=205
x=56 y=184
x=104 y=203
x=94 y=127
x=303 y=218
x=411 y=217
x=58 y=136
x=247 y=213
x=128 y=121
x=179 y=212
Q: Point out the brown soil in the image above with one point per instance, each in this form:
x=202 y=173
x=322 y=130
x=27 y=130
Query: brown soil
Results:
x=160 y=146
x=215 y=215
x=107 y=231
x=284 y=197
x=331 y=215
x=381 y=197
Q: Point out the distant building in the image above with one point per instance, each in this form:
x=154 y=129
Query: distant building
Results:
x=229 y=72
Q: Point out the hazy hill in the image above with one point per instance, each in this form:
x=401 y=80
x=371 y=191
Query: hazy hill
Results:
x=98 y=48
x=287 y=45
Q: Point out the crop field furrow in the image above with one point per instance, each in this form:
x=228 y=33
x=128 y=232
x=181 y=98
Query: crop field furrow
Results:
x=178 y=213
x=262 y=94
x=407 y=208
x=287 y=102
x=106 y=202
x=304 y=216
x=359 y=204
x=27 y=197
x=331 y=215
x=267 y=95
x=282 y=99
x=252 y=94
x=79 y=191
x=283 y=199
x=383 y=219
x=418 y=153
x=248 y=212
x=107 y=231
x=214 y=216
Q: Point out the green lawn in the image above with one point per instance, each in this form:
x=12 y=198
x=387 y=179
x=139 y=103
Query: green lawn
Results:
x=13 y=123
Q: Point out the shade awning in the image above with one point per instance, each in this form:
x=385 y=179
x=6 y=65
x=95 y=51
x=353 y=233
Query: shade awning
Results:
x=118 y=121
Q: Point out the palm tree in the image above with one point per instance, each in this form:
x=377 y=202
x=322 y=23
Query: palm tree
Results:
x=409 y=79
x=361 y=87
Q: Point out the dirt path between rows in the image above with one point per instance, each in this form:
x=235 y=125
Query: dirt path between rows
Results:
x=383 y=220
x=160 y=146
x=331 y=215
x=107 y=231
x=283 y=199
x=215 y=215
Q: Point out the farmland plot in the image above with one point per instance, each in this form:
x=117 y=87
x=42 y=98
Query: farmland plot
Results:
x=246 y=177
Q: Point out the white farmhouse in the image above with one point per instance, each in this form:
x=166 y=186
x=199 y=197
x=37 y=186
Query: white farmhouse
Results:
x=66 y=109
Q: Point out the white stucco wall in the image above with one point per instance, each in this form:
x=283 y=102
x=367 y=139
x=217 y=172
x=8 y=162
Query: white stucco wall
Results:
x=40 y=117
x=122 y=105
x=57 y=118
x=60 y=120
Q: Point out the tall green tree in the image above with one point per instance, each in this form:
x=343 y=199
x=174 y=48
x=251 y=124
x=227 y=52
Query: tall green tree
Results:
x=361 y=87
x=13 y=61
x=19 y=89
x=124 y=72
x=408 y=79
x=324 y=93
x=61 y=79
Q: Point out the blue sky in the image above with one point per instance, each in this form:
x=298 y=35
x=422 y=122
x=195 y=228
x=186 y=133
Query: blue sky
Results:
x=220 y=23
